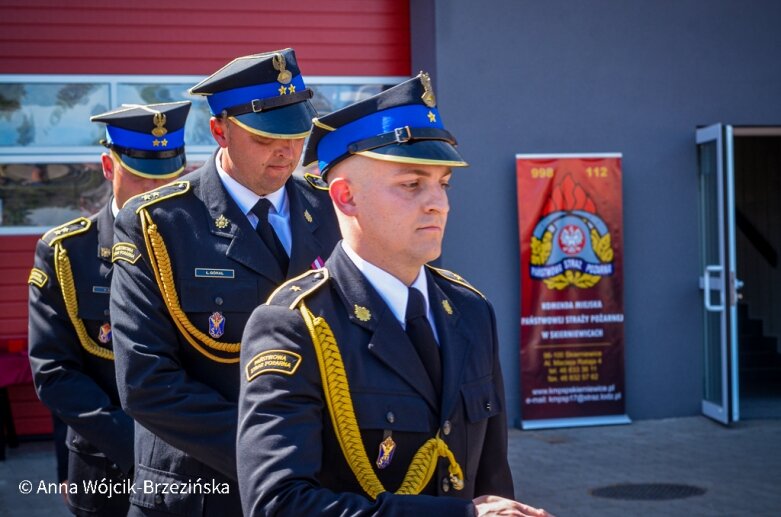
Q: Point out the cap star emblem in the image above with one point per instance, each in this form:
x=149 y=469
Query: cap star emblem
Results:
x=431 y=117
x=156 y=142
x=282 y=90
x=291 y=88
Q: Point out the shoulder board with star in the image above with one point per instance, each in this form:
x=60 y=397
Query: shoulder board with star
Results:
x=455 y=278
x=69 y=229
x=296 y=289
x=177 y=188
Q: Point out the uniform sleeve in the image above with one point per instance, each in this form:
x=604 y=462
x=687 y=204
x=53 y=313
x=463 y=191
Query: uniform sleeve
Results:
x=281 y=433
x=493 y=473
x=58 y=371
x=154 y=386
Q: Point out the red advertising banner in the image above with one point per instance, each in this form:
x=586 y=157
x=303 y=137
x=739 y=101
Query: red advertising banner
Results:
x=572 y=304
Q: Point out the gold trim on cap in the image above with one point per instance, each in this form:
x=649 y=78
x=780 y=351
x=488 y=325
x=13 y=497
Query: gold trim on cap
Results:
x=316 y=122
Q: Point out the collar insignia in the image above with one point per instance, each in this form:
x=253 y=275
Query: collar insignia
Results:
x=221 y=222
x=362 y=313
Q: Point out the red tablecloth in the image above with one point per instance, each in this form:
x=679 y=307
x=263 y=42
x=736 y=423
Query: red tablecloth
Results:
x=14 y=369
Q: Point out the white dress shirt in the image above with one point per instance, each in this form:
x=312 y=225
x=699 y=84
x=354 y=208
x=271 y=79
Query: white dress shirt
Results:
x=392 y=290
x=278 y=214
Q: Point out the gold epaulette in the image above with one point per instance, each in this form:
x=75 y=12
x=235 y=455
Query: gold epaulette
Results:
x=455 y=278
x=69 y=229
x=296 y=289
x=177 y=188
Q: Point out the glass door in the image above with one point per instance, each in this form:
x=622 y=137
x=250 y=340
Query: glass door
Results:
x=717 y=265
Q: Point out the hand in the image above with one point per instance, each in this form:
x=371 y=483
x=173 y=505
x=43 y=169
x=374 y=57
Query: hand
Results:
x=490 y=505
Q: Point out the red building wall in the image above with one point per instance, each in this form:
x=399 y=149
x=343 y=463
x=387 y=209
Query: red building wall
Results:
x=193 y=37
x=176 y=37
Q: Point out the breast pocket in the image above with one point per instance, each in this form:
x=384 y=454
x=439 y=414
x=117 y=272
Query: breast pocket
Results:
x=394 y=412
x=481 y=402
x=93 y=306
x=219 y=307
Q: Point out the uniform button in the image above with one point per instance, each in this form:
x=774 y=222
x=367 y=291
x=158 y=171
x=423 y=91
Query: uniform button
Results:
x=445 y=485
x=390 y=417
x=106 y=312
x=446 y=427
x=158 y=499
x=318 y=276
x=488 y=406
x=218 y=300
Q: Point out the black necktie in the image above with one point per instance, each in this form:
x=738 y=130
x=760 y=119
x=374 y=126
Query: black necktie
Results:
x=268 y=235
x=422 y=336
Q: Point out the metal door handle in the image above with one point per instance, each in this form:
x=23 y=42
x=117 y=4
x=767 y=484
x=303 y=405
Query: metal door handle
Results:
x=706 y=276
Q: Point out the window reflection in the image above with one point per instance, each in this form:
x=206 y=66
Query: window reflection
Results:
x=48 y=194
x=51 y=114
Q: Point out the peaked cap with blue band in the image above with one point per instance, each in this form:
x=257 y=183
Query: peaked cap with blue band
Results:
x=401 y=124
x=263 y=93
x=148 y=139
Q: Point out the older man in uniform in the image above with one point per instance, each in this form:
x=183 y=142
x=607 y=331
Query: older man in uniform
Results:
x=70 y=327
x=192 y=260
x=372 y=386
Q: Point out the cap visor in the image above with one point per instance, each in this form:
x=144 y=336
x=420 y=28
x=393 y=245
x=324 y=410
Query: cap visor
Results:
x=426 y=152
x=292 y=121
x=153 y=168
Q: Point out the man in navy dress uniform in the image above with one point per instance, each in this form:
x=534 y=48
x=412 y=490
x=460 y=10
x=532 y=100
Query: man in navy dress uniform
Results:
x=373 y=386
x=192 y=260
x=70 y=326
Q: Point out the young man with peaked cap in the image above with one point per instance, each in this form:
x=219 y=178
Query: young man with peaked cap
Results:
x=192 y=260
x=373 y=386
x=70 y=326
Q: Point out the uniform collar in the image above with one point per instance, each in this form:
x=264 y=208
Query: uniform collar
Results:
x=244 y=197
x=392 y=290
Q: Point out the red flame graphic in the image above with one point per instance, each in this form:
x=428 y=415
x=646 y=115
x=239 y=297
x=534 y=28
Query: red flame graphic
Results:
x=568 y=195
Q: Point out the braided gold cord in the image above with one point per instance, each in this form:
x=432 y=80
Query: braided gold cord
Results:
x=342 y=413
x=62 y=268
x=161 y=266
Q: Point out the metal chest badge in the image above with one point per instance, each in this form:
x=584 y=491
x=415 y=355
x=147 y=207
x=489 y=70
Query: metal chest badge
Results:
x=104 y=334
x=387 y=448
x=216 y=325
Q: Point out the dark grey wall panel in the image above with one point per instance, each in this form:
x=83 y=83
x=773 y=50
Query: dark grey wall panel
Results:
x=634 y=77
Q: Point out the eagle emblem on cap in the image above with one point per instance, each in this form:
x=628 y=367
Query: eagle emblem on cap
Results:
x=428 y=92
x=159 y=121
x=279 y=63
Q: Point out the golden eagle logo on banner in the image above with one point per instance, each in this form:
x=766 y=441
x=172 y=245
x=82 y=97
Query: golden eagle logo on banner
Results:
x=570 y=244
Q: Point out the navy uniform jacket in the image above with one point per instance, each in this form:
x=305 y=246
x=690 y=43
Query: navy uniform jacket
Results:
x=75 y=384
x=289 y=460
x=185 y=403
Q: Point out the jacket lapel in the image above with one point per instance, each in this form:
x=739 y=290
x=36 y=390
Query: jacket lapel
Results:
x=304 y=220
x=388 y=342
x=227 y=220
x=454 y=344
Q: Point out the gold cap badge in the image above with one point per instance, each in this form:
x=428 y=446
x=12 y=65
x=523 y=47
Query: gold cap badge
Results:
x=279 y=63
x=159 y=120
x=428 y=92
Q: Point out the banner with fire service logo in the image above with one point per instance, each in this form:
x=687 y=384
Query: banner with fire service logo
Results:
x=572 y=304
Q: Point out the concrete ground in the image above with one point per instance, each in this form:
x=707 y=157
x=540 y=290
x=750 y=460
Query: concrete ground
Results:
x=739 y=469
